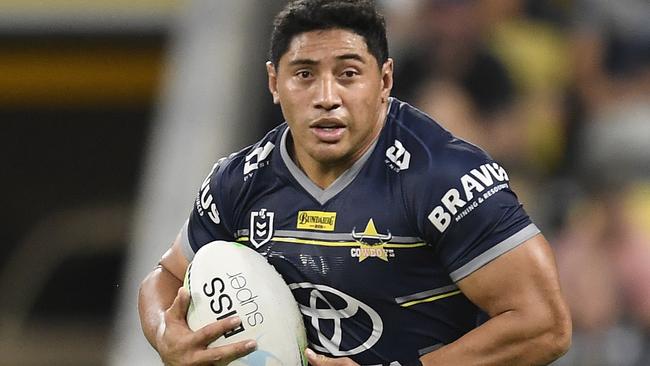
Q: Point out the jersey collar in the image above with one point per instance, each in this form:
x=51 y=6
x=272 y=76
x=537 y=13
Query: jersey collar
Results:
x=344 y=180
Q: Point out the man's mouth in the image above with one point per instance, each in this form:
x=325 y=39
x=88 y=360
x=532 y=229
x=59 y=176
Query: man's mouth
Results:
x=328 y=130
x=327 y=123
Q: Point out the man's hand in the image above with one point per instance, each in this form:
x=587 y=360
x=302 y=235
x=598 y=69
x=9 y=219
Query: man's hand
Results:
x=320 y=360
x=178 y=345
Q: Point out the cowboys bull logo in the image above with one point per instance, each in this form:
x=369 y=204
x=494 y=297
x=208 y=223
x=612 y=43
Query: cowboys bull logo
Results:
x=371 y=243
x=261 y=227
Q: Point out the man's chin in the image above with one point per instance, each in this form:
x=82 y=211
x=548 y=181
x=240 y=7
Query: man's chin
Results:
x=331 y=154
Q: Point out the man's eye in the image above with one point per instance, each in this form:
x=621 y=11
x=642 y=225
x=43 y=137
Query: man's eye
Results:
x=349 y=73
x=304 y=74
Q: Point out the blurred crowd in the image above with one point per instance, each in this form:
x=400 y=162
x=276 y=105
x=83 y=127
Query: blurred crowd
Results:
x=559 y=91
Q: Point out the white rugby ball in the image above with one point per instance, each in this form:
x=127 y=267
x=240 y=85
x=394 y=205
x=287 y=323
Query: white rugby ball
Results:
x=227 y=279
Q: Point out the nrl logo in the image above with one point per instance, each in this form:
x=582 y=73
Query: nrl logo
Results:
x=261 y=227
x=371 y=243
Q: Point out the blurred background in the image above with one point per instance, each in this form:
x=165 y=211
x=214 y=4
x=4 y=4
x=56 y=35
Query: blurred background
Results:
x=113 y=111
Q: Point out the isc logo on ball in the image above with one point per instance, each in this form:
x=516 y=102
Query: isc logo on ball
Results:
x=221 y=293
x=228 y=279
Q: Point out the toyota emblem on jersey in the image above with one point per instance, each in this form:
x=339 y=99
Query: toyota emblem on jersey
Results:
x=261 y=227
x=344 y=325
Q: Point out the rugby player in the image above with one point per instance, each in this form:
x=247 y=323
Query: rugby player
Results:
x=402 y=244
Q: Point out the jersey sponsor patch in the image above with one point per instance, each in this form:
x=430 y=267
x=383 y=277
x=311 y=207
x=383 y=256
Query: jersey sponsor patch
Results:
x=257 y=158
x=397 y=157
x=473 y=189
x=316 y=220
x=325 y=306
x=205 y=201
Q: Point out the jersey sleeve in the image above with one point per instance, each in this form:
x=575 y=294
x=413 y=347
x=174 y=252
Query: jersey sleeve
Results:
x=207 y=221
x=474 y=216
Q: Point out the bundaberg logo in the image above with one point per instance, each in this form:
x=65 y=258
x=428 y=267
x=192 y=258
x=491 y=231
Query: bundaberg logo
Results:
x=316 y=220
x=371 y=243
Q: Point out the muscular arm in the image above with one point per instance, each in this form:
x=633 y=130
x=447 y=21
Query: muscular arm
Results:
x=530 y=322
x=159 y=289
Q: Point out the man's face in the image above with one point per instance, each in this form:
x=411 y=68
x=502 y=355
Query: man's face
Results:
x=333 y=95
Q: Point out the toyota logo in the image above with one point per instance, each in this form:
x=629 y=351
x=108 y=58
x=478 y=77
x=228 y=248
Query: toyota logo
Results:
x=322 y=302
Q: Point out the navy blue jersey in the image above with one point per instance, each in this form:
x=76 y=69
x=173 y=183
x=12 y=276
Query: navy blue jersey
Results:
x=372 y=260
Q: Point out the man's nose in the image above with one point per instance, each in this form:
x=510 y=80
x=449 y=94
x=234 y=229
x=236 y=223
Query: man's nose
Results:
x=327 y=96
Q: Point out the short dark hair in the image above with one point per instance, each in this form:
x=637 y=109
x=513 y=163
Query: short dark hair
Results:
x=358 y=16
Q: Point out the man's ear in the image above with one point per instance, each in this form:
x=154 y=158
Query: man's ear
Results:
x=273 y=81
x=386 y=78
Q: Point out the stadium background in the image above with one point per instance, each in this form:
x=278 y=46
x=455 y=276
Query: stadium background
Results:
x=112 y=111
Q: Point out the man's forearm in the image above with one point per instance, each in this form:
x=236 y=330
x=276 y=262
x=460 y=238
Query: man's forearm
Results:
x=511 y=338
x=157 y=293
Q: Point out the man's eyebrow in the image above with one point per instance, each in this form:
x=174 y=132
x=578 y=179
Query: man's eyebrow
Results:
x=351 y=56
x=309 y=62
x=303 y=61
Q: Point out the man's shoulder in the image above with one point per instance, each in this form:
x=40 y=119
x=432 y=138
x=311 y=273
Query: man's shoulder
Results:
x=243 y=164
x=432 y=150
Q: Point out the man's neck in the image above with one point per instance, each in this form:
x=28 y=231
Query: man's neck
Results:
x=324 y=175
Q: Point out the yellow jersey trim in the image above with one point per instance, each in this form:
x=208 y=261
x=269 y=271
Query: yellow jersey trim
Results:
x=333 y=243
x=430 y=299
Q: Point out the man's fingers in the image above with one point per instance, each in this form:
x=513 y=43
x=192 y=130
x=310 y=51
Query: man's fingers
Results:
x=212 y=331
x=321 y=360
x=316 y=359
x=178 y=309
x=223 y=355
